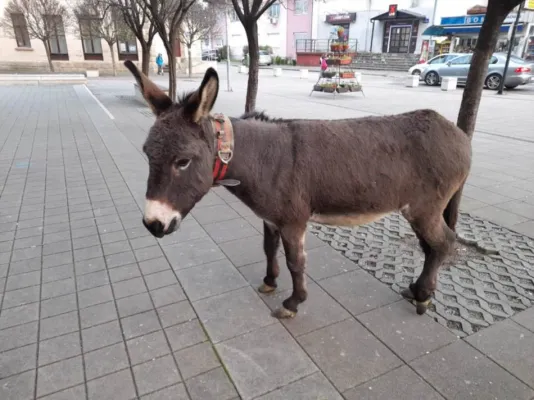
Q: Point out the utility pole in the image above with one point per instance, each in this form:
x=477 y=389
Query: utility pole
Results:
x=432 y=37
x=226 y=18
x=510 y=48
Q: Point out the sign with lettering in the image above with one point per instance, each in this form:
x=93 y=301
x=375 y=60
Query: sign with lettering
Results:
x=529 y=5
x=392 y=10
x=345 y=18
x=474 y=19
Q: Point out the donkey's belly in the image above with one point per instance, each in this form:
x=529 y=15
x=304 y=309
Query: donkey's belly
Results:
x=346 y=219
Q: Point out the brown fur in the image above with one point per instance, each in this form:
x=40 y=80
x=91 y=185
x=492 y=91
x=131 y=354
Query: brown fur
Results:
x=347 y=172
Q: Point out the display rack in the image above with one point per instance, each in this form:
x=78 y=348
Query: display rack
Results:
x=339 y=77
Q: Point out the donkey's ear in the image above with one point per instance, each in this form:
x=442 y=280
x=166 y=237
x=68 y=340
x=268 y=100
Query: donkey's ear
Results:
x=201 y=102
x=155 y=97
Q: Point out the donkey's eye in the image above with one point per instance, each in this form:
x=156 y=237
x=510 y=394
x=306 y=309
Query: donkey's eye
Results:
x=182 y=164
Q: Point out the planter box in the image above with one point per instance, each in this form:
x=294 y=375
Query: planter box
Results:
x=449 y=83
x=355 y=88
x=342 y=89
x=243 y=69
x=303 y=74
x=329 y=89
x=411 y=81
x=92 y=73
x=317 y=88
x=277 y=71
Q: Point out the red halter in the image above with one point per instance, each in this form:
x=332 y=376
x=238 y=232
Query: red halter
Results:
x=224 y=137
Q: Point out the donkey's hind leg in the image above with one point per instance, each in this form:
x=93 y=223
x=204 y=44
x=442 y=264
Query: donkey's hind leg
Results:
x=293 y=241
x=436 y=240
x=271 y=243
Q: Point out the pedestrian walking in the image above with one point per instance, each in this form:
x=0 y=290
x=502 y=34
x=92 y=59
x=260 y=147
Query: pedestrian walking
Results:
x=159 y=62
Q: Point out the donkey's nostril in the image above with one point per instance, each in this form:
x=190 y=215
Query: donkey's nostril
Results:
x=172 y=226
x=155 y=228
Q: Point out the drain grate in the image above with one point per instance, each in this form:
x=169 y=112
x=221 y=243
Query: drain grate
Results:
x=478 y=286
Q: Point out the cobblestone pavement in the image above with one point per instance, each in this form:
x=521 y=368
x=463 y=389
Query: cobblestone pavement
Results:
x=93 y=307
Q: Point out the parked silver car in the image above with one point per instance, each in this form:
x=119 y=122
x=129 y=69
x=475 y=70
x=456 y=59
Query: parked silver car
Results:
x=519 y=71
x=440 y=59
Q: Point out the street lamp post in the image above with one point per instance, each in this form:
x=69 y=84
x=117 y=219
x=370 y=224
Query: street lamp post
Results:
x=510 y=48
x=226 y=17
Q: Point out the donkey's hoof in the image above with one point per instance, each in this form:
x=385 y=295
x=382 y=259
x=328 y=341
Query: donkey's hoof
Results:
x=264 y=288
x=422 y=306
x=407 y=294
x=283 y=313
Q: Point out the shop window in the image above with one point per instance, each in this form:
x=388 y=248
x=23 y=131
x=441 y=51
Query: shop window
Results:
x=21 y=30
x=91 y=42
x=57 y=42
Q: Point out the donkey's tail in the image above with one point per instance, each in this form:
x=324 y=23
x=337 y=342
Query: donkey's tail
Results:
x=450 y=215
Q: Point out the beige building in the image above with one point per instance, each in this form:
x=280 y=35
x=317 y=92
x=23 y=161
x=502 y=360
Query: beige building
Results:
x=72 y=54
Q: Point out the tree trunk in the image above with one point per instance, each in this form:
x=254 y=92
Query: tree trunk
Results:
x=113 y=63
x=253 y=69
x=190 y=61
x=487 y=40
x=145 y=58
x=172 y=68
x=48 y=55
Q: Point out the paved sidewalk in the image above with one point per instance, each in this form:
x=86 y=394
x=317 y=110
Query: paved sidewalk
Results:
x=93 y=307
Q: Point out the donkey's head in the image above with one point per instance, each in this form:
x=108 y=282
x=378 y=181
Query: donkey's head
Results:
x=180 y=148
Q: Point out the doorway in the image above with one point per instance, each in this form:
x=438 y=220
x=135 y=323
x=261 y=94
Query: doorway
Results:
x=399 y=39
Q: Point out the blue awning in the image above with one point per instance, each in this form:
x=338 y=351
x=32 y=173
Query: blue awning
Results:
x=445 y=30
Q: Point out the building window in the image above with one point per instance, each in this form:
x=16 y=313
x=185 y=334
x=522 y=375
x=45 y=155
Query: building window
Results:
x=128 y=49
x=91 y=42
x=21 y=30
x=233 y=16
x=301 y=7
x=274 y=11
x=57 y=42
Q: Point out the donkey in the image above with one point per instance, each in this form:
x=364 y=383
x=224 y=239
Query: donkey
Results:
x=338 y=172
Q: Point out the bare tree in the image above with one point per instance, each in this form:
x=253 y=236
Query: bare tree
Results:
x=96 y=18
x=487 y=39
x=45 y=20
x=199 y=23
x=135 y=17
x=167 y=17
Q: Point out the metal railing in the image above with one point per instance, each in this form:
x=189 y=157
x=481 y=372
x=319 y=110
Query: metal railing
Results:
x=322 y=45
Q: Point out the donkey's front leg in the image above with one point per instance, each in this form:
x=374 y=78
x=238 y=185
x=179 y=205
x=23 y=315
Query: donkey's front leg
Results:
x=271 y=243
x=293 y=241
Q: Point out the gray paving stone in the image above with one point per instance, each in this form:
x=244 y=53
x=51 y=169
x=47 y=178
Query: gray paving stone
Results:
x=215 y=213
x=59 y=325
x=19 y=315
x=31 y=241
x=315 y=386
x=23 y=280
x=17 y=360
x=140 y=324
x=57 y=273
x=211 y=385
x=58 y=288
x=91 y=265
x=18 y=336
x=134 y=304
x=148 y=253
x=167 y=295
x=21 y=296
x=18 y=387
x=75 y=393
x=196 y=360
x=59 y=348
x=95 y=296
x=113 y=237
x=86 y=241
x=129 y=288
x=244 y=251
x=156 y=374
x=232 y=314
x=58 y=305
x=105 y=361
x=185 y=335
x=210 y=279
x=142 y=242
x=525 y=318
x=458 y=371
x=509 y=345
x=258 y=362
x=101 y=335
x=359 y=292
x=124 y=273
x=91 y=280
x=406 y=333
x=81 y=232
x=193 y=252
x=189 y=230
x=401 y=383
x=323 y=263
x=87 y=253
x=176 y=313
x=160 y=279
x=117 y=260
x=117 y=386
x=154 y=265
x=346 y=365
x=57 y=259
x=98 y=314
x=233 y=229
x=147 y=347
x=318 y=311
x=57 y=247
x=175 y=392
x=60 y=375
x=116 y=247
x=26 y=253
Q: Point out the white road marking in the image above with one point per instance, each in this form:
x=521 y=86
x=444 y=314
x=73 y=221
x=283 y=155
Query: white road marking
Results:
x=110 y=115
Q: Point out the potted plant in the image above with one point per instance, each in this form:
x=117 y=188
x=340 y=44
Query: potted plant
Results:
x=329 y=74
x=334 y=46
x=332 y=61
x=344 y=46
x=340 y=32
x=345 y=60
x=317 y=88
x=355 y=87
x=343 y=88
x=346 y=75
x=329 y=87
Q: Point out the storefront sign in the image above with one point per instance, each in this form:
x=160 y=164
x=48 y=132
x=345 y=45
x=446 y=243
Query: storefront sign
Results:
x=529 y=5
x=346 y=18
x=473 y=19
x=392 y=11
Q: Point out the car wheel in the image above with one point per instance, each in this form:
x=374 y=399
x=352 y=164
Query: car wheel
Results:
x=416 y=72
x=432 y=79
x=510 y=87
x=493 y=81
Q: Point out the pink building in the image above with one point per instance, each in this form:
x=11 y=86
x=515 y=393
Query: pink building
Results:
x=299 y=24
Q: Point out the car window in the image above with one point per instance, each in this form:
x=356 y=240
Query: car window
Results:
x=437 y=60
x=494 y=60
x=517 y=60
x=461 y=60
x=450 y=57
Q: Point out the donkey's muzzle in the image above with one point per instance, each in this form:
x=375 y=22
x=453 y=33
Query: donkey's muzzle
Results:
x=157 y=229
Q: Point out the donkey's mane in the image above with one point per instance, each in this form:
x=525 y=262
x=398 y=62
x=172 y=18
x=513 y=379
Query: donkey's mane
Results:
x=182 y=98
x=261 y=116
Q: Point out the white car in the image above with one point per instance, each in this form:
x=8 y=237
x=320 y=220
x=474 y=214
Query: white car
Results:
x=441 y=59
